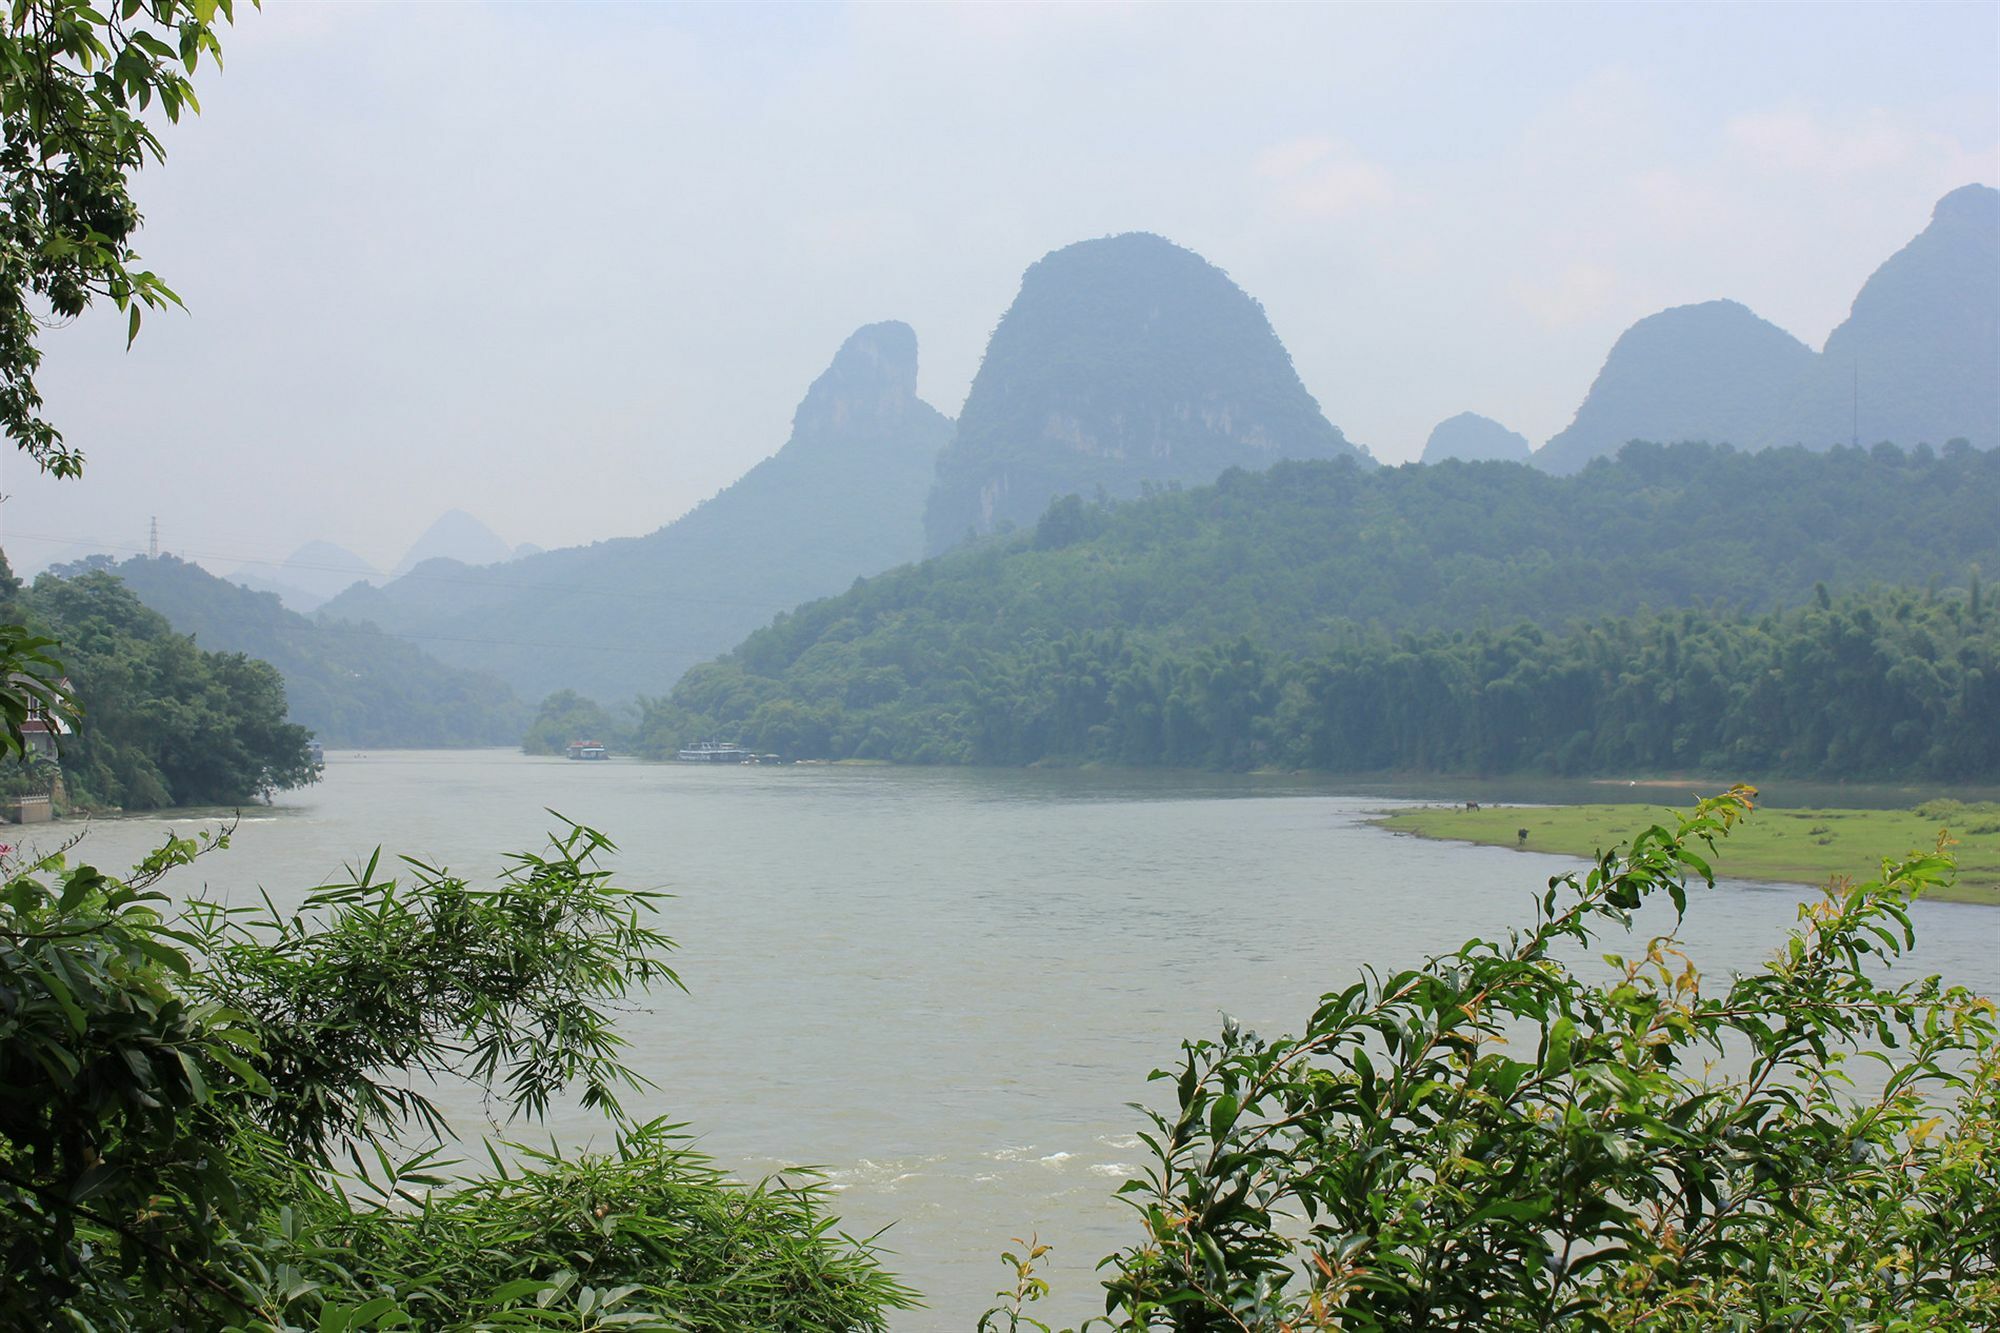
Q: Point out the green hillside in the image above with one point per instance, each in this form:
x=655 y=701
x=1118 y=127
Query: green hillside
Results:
x=349 y=683
x=162 y=720
x=1225 y=625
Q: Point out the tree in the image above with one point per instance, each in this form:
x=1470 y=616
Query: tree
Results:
x=74 y=83
x=73 y=86
x=168 y=722
x=1494 y=1140
x=197 y=1115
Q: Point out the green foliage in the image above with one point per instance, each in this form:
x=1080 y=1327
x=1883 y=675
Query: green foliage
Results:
x=1496 y=1140
x=351 y=684
x=74 y=84
x=650 y=1227
x=197 y=1115
x=567 y=716
x=1892 y=684
x=111 y=1073
x=167 y=724
x=30 y=682
x=353 y=982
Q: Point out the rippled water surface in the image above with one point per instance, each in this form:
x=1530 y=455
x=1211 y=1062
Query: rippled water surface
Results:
x=943 y=986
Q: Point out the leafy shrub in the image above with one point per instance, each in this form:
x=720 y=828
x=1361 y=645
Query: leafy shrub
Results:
x=1493 y=1141
x=196 y=1116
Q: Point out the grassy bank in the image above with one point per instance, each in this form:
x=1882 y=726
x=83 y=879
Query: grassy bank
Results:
x=1793 y=846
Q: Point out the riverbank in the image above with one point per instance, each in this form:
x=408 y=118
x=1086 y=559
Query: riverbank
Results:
x=1786 y=846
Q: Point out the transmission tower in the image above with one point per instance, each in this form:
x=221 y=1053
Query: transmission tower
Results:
x=153 y=541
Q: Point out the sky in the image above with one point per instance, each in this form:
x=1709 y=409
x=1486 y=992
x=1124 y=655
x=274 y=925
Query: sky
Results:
x=571 y=267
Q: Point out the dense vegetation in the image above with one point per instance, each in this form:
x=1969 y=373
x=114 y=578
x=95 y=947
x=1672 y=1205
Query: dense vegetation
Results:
x=198 y=1111
x=1894 y=684
x=1500 y=1139
x=567 y=716
x=1318 y=616
x=1124 y=361
x=163 y=722
x=349 y=683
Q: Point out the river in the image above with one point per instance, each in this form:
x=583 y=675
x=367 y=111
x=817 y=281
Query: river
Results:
x=943 y=986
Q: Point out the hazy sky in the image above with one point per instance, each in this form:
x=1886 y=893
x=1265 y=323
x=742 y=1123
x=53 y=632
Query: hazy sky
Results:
x=570 y=268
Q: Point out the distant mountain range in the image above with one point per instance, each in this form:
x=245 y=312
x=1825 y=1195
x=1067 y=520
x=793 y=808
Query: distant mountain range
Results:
x=842 y=498
x=308 y=576
x=1126 y=365
x=1713 y=372
x=349 y=683
x=1917 y=360
x=1123 y=362
x=320 y=570
x=457 y=536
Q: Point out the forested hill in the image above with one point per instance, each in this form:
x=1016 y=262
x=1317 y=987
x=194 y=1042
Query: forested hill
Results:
x=349 y=683
x=1124 y=361
x=844 y=497
x=1292 y=560
x=164 y=722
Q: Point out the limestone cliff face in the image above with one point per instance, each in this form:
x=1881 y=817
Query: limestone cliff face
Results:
x=871 y=382
x=1472 y=438
x=1918 y=358
x=843 y=498
x=1123 y=362
x=1713 y=372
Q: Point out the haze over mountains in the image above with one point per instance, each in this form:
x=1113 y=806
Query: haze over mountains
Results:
x=1713 y=371
x=321 y=570
x=1915 y=361
x=1471 y=438
x=843 y=497
x=1123 y=362
x=351 y=684
x=1920 y=353
x=1125 y=365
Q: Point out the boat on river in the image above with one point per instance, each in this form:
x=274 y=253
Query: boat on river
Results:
x=720 y=752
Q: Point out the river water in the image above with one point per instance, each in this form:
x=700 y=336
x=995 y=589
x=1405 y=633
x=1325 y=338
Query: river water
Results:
x=943 y=986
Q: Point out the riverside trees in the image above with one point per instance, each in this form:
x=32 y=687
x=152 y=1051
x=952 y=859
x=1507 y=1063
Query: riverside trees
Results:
x=1894 y=683
x=169 y=724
